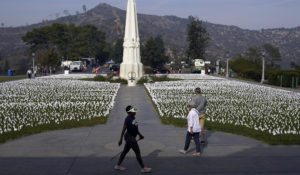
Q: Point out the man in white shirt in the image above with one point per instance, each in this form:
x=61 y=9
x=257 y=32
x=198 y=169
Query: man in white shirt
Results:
x=193 y=129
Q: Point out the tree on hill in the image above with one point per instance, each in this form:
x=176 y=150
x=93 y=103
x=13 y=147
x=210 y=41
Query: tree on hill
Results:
x=177 y=63
x=153 y=53
x=66 y=12
x=249 y=64
x=66 y=42
x=84 y=8
x=246 y=68
x=197 y=38
x=49 y=58
x=102 y=56
x=272 y=56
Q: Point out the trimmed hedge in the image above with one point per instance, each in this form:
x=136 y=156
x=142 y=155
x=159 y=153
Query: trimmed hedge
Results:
x=288 y=78
x=109 y=78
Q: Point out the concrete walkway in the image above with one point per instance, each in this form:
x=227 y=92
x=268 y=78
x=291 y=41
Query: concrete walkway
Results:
x=88 y=151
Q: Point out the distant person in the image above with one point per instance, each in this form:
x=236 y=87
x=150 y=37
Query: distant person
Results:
x=29 y=73
x=45 y=70
x=193 y=129
x=34 y=73
x=201 y=103
x=132 y=130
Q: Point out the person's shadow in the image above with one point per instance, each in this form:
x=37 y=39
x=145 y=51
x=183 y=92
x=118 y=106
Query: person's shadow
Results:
x=154 y=153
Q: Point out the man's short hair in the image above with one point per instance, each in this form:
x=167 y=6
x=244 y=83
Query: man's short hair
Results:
x=198 y=90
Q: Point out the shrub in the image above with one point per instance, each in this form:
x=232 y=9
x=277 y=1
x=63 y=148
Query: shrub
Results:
x=288 y=78
x=109 y=78
x=100 y=78
x=143 y=80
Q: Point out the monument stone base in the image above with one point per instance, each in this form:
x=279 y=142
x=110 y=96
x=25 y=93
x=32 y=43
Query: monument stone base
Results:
x=131 y=83
x=127 y=69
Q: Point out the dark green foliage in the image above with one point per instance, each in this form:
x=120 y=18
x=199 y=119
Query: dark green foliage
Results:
x=100 y=78
x=52 y=126
x=48 y=57
x=197 y=38
x=119 y=80
x=66 y=42
x=153 y=53
x=273 y=56
x=109 y=78
x=253 y=54
x=287 y=76
x=22 y=66
x=143 y=80
x=246 y=68
x=249 y=64
x=117 y=53
x=162 y=78
x=103 y=55
x=177 y=62
x=153 y=79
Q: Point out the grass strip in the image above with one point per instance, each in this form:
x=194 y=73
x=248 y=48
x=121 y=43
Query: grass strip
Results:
x=26 y=131
x=6 y=79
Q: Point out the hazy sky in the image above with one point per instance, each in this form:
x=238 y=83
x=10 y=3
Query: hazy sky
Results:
x=247 y=14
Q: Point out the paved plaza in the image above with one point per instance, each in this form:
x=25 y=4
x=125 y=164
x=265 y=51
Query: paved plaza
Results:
x=88 y=151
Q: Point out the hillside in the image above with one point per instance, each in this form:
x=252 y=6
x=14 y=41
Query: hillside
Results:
x=111 y=20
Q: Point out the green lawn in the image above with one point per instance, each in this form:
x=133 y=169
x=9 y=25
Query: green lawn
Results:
x=7 y=78
x=286 y=139
x=52 y=126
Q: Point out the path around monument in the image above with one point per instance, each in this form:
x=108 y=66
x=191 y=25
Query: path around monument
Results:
x=88 y=151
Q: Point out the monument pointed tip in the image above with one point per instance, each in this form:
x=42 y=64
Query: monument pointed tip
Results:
x=131 y=55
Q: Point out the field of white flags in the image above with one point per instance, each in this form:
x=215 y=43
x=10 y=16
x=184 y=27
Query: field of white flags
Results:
x=69 y=76
x=232 y=102
x=193 y=77
x=40 y=101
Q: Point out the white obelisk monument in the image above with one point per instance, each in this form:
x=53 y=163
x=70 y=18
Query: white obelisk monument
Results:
x=131 y=68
